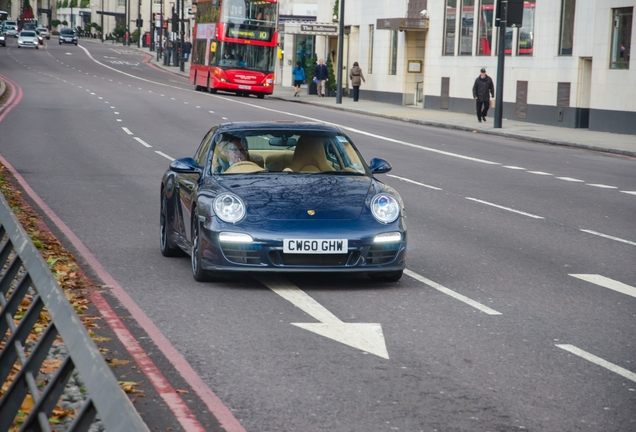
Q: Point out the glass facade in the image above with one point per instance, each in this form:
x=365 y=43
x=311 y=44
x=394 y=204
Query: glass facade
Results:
x=567 y=27
x=449 y=27
x=466 y=27
x=486 y=27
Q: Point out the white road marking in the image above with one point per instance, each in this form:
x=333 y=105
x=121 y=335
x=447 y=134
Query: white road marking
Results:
x=414 y=182
x=513 y=167
x=606 y=282
x=115 y=112
x=224 y=118
x=119 y=120
x=363 y=336
x=505 y=208
x=570 y=179
x=610 y=237
x=145 y=144
x=539 y=173
x=164 y=155
x=211 y=112
x=452 y=293
x=602 y=186
x=598 y=361
x=127 y=130
x=629 y=192
x=112 y=106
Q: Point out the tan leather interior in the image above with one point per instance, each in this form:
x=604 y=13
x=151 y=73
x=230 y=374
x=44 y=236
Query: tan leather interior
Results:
x=310 y=156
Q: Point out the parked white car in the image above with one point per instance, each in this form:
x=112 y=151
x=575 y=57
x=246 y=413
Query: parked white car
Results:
x=28 y=38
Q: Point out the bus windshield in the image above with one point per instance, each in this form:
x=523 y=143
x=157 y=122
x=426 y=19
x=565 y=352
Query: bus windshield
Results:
x=244 y=56
x=250 y=12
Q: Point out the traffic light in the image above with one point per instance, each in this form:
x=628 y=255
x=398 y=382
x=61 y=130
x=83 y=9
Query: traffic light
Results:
x=175 y=22
x=139 y=22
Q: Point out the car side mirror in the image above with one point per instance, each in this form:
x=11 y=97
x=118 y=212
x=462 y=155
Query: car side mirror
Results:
x=379 y=166
x=186 y=166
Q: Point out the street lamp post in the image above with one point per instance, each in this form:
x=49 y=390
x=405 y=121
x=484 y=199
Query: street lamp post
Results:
x=340 y=48
x=501 y=54
x=182 y=34
x=102 y=23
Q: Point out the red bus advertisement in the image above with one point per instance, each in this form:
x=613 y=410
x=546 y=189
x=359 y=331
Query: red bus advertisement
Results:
x=234 y=46
x=526 y=32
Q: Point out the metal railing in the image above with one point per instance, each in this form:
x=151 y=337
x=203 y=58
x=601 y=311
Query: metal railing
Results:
x=29 y=284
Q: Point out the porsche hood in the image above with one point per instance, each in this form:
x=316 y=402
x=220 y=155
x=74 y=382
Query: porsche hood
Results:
x=298 y=197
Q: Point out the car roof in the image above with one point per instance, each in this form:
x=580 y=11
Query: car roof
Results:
x=278 y=125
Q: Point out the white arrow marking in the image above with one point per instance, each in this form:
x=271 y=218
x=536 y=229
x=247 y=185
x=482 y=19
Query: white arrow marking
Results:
x=607 y=283
x=365 y=337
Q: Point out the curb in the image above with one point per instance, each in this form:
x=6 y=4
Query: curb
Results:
x=468 y=129
x=3 y=88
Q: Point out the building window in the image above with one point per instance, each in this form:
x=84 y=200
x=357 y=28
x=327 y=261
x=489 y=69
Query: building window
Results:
x=157 y=2
x=449 y=28
x=393 y=54
x=466 y=27
x=370 y=60
x=486 y=18
x=525 y=42
x=567 y=27
x=121 y=2
x=621 y=37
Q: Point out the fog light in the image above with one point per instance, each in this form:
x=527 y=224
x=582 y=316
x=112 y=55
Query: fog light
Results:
x=230 y=237
x=390 y=237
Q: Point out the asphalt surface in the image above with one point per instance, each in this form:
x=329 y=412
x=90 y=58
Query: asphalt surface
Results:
x=488 y=331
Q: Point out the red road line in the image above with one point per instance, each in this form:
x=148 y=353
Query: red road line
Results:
x=15 y=96
x=172 y=399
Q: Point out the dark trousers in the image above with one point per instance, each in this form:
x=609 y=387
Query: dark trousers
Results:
x=356 y=93
x=482 y=109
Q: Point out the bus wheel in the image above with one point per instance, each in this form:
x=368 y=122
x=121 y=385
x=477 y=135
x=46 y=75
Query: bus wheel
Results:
x=260 y=96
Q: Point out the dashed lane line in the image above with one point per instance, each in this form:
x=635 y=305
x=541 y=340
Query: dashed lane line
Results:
x=608 y=283
x=598 y=361
x=452 y=293
x=505 y=208
x=609 y=237
x=414 y=182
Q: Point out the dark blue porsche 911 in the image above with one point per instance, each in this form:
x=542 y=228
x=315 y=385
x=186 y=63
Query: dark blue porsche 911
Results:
x=282 y=197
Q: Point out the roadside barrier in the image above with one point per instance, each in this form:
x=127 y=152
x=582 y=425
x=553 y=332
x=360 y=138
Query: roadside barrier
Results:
x=27 y=280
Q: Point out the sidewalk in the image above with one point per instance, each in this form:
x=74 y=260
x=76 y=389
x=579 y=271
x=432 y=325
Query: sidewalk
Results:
x=581 y=138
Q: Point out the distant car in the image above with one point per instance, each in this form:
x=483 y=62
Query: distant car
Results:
x=282 y=197
x=11 y=28
x=44 y=32
x=28 y=38
x=3 y=39
x=68 y=35
x=40 y=37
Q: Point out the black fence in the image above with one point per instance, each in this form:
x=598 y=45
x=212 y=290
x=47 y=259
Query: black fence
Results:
x=30 y=291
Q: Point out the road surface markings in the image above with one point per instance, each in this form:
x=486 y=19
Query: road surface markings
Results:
x=127 y=130
x=629 y=192
x=414 y=182
x=570 y=179
x=602 y=186
x=539 y=173
x=609 y=237
x=599 y=361
x=142 y=142
x=505 y=208
x=513 y=167
x=363 y=336
x=119 y=120
x=116 y=112
x=452 y=293
x=164 y=155
x=606 y=282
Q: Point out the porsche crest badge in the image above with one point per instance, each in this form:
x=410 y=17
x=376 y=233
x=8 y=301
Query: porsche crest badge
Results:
x=311 y=212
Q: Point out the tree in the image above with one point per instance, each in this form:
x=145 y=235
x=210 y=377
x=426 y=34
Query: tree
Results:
x=85 y=3
x=336 y=11
x=55 y=23
x=331 y=84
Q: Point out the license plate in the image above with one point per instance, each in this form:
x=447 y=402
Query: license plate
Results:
x=315 y=246
x=243 y=87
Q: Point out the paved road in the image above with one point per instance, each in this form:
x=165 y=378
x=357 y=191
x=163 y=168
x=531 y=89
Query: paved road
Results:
x=517 y=311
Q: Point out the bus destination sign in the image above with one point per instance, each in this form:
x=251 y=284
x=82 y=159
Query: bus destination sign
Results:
x=249 y=32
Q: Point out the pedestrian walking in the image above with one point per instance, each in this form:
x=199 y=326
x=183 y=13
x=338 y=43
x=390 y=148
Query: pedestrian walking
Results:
x=357 y=77
x=482 y=90
x=321 y=75
x=187 y=49
x=299 y=78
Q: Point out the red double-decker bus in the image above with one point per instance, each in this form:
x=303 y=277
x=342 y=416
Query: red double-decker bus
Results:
x=234 y=46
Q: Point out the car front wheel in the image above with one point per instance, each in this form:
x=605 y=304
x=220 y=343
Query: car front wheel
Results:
x=196 y=254
x=167 y=249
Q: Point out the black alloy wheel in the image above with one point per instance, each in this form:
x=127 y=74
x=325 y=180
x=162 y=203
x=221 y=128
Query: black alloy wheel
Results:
x=198 y=273
x=167 y=249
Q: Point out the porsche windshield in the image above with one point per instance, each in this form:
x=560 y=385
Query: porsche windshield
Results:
x=285 y=151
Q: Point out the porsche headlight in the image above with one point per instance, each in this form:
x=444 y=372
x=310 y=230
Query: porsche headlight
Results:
x=385 y=208
x=229 y=208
